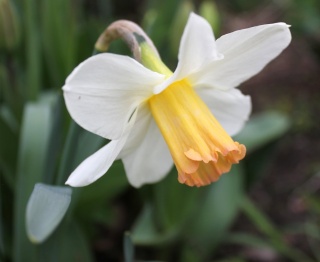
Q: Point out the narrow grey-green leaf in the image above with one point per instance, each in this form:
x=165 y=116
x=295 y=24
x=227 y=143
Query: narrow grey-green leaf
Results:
x=34 y=48
x=210 y=12
x=58 y=20
x=264 y=224
x=178 y=24
x=170 y=194
x=67 y=243
x=217 y=212
x=94 y=198
x=128 y=248
x=34 y=141
x=263 y=129
x=144 y=231
x=45 y=210
x=55 y=139
x=248 y=240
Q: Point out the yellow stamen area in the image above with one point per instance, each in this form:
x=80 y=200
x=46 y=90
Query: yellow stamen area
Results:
x=200 y=147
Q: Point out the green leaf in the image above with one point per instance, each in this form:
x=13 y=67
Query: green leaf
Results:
x=313 y=203
x=261 y=221
x=162 y=14
x=145 y=232
x=245 y=239
x=178 y=24
x=275 y=237
x=263 y=129
x=33 y=46
x=128 y=248
x=45 y=210
x=55 y=141
x=218 y=211
x=8 y=96
x=210 y=12
x=161 y=221
x=93 y=198
x=313 y=236
x=9 y=145
x=79 y=145
x=67 y=243
x=170 y=194
x=190 y=255
x=312 y=229
x=34 y=141
x=59 y=38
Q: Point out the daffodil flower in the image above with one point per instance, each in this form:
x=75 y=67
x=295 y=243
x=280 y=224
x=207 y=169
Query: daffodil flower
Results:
x=155 y=118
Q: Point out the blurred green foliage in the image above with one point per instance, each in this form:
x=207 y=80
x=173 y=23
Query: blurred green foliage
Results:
x=40 y=43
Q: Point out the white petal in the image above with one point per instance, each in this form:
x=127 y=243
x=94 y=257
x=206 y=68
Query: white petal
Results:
x=151 y=161
x=246 y=52
x=98 y=164
x=138 y=131
x=230 y=107
x=197 y=48
x=103 y=91
x=197 y=45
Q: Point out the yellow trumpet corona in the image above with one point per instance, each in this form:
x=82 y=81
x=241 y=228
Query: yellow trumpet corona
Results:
x=200 y=147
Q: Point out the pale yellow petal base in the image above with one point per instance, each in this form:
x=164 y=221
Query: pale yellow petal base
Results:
x=200 y=147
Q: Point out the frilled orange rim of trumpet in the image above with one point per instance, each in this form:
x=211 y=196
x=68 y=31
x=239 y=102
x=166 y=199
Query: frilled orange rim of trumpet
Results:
x=200 y=147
